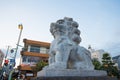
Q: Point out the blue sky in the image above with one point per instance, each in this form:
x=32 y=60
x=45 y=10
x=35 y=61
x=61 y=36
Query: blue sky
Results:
x=99 y=21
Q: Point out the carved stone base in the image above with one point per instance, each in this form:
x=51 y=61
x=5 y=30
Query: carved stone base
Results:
x=76 y=78
x=70 y=72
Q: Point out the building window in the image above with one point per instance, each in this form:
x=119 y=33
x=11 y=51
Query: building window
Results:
x=43 y=50
x=30 y=60
x=35 y=49
x=38 y=49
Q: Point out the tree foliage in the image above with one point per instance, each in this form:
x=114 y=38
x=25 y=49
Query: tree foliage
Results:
x=108 y=65
x=39 y=66
x=96 y=64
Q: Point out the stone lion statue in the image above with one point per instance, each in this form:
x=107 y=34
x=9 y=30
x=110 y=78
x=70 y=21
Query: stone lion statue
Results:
x=65 y=52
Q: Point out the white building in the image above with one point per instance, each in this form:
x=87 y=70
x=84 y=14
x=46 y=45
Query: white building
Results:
x=96 y=54
x=1 y=58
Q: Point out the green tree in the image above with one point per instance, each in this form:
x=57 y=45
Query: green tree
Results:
x=96 y=64
x=39 y=66
x=108 y=65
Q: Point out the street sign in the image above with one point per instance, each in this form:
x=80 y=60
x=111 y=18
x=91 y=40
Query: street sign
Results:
x=12 y=60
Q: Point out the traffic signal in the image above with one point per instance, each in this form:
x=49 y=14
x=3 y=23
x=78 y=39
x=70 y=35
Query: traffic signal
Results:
x=6 y=62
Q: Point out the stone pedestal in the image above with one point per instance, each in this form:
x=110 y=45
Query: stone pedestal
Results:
x=70 y=72
x=76 y=78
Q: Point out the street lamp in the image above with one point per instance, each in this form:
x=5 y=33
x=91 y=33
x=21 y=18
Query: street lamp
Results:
x=20 y=26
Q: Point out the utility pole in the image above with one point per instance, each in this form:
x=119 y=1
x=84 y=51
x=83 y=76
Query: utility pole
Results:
x=7 y=52
x=20 y=26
